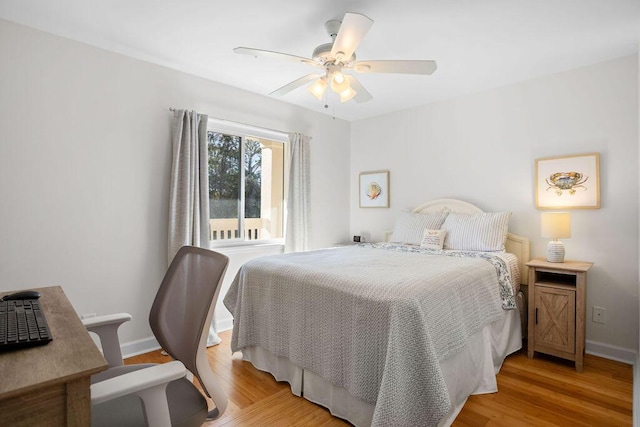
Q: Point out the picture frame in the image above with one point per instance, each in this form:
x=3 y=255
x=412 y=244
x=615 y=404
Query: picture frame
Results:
x=374 y=189
x=568 y=182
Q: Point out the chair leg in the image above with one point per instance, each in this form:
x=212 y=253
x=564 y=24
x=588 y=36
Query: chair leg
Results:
x=212 y=387
x=213 y=414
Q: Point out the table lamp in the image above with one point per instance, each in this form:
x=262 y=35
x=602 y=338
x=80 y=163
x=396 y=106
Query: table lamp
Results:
x=555 y=225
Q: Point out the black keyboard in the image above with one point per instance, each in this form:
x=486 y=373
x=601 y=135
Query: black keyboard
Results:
x=22 y=324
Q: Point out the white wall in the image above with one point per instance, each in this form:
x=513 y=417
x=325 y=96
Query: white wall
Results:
x=636 y=368
x=85 y=154
x=481 y=148
x=85 y=161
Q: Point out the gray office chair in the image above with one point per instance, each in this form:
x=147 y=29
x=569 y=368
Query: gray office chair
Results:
x=163 y=395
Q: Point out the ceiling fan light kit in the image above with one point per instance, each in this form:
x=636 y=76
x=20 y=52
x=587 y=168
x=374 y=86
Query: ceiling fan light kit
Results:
x=317 y=89
x=339 y=56
x=347 y=94
x=339 y=82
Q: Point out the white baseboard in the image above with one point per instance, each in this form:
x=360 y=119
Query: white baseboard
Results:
x=224 y=324
x=595 y=348
x=612 y=352
x=146 y=345
x=137 y=347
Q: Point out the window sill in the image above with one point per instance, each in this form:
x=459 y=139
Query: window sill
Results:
x=237 y=247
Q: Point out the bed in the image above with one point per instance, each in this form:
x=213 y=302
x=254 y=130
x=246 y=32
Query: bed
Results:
x=390 y=333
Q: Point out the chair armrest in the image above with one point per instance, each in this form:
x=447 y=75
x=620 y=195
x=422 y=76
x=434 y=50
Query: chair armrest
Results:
x=132 y=382
x=149 y=384
x=108 y=319
x=107 y=329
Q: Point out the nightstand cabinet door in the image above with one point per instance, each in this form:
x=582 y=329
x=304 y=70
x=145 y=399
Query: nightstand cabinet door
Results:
x=555 y=319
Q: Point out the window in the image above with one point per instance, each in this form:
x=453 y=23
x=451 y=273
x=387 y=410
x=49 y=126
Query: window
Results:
x=246 y=184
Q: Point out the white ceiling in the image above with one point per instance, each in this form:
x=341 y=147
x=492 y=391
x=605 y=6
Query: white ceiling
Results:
x=477 y=44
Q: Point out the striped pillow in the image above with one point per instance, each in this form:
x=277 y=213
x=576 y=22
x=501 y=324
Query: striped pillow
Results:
x=485 y=231
x=410 y=226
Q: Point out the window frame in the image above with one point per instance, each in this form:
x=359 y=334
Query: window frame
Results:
x=249 y=131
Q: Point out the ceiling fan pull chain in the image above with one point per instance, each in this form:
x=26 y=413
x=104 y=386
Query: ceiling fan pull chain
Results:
x=326 y=99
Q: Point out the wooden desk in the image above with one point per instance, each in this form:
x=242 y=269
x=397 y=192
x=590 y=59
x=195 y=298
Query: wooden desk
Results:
x=50 y=385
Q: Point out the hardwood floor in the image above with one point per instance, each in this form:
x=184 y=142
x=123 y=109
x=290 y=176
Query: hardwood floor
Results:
x=543 y=391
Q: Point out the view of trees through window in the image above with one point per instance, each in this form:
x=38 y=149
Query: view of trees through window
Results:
x=225 y=175
x=245 y=171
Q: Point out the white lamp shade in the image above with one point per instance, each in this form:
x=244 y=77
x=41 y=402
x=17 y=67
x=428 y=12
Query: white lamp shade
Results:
x=555 y=225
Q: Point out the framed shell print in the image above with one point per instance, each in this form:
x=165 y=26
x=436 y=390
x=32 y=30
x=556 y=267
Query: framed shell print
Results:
x=374 y=189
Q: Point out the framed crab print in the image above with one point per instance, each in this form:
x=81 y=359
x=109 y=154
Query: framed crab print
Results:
x=569 y=182
x=374 y=189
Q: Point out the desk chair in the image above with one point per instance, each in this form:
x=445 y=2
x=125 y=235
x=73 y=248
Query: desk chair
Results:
x=163 y=395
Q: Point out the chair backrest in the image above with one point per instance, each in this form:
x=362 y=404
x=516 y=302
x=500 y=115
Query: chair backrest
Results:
x=183 y=308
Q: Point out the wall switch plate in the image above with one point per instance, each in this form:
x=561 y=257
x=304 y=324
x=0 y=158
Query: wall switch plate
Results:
x=599 y=315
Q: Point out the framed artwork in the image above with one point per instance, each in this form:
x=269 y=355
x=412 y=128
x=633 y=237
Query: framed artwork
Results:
x=374 y=189
x=568 y=182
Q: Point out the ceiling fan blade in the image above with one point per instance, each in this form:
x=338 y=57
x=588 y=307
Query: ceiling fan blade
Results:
x=362 y=95
x=295 y=84
x=353 y=28
x=275 y=55
x=401 y=67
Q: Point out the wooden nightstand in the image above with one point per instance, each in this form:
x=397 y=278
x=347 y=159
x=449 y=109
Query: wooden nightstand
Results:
x=557 y=305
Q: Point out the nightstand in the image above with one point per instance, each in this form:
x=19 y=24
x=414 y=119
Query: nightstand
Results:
x=557 y=305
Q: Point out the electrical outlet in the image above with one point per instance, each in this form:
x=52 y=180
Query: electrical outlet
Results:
x=599 y=315
x=88 y=316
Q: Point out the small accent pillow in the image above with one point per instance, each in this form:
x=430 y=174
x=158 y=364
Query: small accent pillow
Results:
x=485 y=231
x=433 y=239
x=409 y=228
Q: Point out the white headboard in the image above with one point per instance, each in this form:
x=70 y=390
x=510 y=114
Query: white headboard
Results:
x=517 y=245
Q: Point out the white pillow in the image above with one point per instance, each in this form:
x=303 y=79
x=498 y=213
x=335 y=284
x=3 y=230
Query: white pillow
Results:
x=485 y=231
x=433 y=239
x=409 y=228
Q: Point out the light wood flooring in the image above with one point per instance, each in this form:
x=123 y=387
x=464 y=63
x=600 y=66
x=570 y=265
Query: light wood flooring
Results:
x=543 y=391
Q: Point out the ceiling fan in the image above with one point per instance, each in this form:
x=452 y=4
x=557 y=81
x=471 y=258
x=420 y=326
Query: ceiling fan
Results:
x=339 y=56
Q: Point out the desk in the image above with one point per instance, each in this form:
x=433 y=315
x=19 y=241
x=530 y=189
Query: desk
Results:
x=50 y=385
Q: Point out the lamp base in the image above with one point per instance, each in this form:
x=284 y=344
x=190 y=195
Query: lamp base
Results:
x=555 y=251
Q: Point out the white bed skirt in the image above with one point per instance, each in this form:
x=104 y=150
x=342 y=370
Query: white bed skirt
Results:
x=473 y=371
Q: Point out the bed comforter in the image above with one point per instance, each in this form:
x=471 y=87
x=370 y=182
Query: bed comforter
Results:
x=374 y=321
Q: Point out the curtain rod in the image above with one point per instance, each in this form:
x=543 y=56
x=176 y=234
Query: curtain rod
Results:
x=240 y=123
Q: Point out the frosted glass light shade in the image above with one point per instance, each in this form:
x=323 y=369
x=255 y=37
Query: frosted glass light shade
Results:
x=317 y=89
x=555 y=225
x=339 y=82
x=346 y=95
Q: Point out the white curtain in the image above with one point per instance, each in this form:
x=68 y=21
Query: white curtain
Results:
x=298 y=201
x=189 y=193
